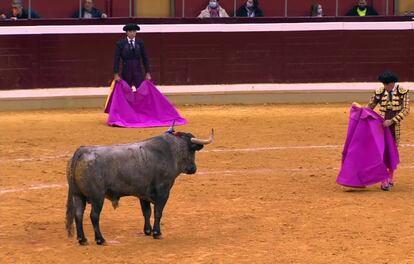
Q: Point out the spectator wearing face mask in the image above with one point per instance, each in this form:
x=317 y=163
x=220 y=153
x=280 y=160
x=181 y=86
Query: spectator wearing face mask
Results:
x=250 y=9
x=316 y=10
x=213 y=10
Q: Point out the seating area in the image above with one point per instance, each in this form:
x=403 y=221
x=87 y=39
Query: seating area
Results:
x=48 y=9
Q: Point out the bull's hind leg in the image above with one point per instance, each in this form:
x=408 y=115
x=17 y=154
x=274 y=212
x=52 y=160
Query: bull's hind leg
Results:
x=95 y=213
x=80 y=203
x=159 y=205
x=146 y=211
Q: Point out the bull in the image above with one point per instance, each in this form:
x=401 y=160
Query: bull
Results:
x=145 y=169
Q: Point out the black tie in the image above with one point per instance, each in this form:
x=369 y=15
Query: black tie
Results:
x=131 y=45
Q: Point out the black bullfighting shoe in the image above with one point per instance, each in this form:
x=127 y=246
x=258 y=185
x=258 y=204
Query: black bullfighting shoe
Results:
x=385 y=187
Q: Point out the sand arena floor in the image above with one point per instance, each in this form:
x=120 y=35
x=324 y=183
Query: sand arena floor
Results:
x=265 y=192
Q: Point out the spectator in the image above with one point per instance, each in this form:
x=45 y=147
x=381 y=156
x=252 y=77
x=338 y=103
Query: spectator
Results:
x=250 y=9
x=362 y=9
x=213 y=10
x=316 y=10
x=89 y=11
x=18 y=12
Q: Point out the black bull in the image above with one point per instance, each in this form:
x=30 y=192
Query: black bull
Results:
x=145 y=169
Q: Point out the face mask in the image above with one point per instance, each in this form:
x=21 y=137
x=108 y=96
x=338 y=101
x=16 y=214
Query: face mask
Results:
x=249 y=5
x=212 y=4
x=362 y=7
x=320 y=11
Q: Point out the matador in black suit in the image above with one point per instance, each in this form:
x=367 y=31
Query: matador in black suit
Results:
x=133 y=55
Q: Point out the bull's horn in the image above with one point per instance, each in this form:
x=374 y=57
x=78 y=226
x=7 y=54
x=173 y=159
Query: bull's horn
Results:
x=204 y=141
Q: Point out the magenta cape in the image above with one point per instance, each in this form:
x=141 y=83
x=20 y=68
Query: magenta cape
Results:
x=147 y=107
x=369 y=150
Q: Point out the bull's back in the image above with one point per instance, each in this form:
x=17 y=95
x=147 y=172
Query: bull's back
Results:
x=129 y=169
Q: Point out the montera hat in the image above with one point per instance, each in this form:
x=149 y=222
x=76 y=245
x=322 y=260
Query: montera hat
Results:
x=131 y=27
x=388 y=77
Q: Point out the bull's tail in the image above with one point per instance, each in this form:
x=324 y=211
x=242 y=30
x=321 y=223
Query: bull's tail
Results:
x=70 y=207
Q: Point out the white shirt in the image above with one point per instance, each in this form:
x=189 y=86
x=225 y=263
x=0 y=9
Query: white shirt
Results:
x=395 y=87
x=87 y=15
x=133 y=41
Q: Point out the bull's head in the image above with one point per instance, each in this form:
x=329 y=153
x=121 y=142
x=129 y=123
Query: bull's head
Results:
x=194 y=144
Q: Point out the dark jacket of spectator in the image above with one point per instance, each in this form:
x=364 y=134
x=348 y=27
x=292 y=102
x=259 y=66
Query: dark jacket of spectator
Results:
x=244 y=12
x=354 y=12
x=24 y=14
x=96 y=13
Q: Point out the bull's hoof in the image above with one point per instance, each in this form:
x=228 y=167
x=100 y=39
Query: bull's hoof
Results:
x=147 y=231
x=156 y=235
x=101 y=242
x=83 y=242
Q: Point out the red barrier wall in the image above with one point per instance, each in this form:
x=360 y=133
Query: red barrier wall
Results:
x=73 y=60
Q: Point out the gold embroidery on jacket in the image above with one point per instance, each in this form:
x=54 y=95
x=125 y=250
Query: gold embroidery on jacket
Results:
x=396 y=109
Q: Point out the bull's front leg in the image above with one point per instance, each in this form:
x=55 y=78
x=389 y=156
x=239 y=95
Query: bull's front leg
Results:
x=159 y=205
x=146 y=211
